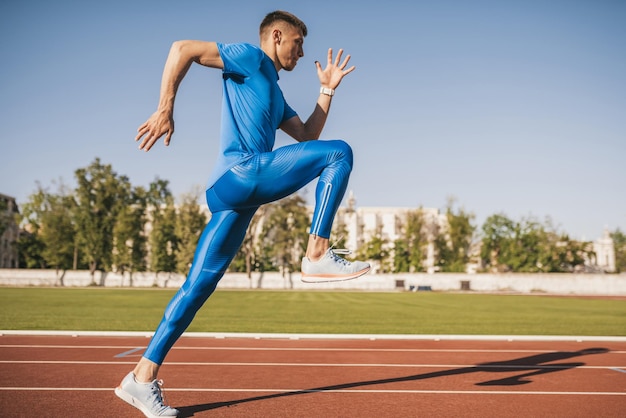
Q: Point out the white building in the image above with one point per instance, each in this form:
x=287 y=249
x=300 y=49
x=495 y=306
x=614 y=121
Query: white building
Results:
x=363 y=223
x=604 y=250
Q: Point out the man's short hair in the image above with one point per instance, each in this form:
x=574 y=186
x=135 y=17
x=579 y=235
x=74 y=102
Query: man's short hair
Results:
x=283 y=16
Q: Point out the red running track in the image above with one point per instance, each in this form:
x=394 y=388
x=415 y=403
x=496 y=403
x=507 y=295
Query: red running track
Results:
x=65 y=376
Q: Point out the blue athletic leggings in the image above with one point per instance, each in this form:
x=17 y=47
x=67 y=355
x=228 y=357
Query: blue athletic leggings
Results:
x=233 y=200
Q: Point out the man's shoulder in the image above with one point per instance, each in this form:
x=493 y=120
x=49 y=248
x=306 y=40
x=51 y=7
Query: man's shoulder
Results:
x=238 y=56
x=240 y=48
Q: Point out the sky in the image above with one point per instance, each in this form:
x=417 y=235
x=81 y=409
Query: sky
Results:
x=508 y=107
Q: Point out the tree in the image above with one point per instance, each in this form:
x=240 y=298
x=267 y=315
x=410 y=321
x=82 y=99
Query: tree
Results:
x=619 y=241
x=557 y=253
x=376 y=250
x=130 y=241
x=163 y=240
x=496 y=231
x=515 y=246
x=453 y=243
x=529 y=246
x=59 y=234
x=247 y=258
x=188 y=227
x=410 y=249
x=49 y=218
x=284 y=233
x=5 y=215
x=30 y=249
x=29 y=244
x=99 y=199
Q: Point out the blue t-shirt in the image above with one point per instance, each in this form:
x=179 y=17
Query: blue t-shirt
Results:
x=253 y=106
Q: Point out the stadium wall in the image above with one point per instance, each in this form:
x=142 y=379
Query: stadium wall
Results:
x=563 y=284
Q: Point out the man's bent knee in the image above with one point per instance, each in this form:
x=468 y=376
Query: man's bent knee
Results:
x=342 y=151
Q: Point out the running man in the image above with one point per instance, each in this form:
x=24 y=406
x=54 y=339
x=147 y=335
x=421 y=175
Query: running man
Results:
x=249 y=173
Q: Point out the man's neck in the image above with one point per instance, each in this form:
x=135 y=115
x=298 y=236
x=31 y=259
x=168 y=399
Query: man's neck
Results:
x=270 y=51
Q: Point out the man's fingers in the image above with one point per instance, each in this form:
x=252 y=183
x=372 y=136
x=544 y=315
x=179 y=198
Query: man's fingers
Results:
x=144 y=141
x=141 y=131
x=149 y=142
x=338 y=58
x=345 y=62
x=337 y=61
x=349 y=70
x=149 y=137
x=168 y=137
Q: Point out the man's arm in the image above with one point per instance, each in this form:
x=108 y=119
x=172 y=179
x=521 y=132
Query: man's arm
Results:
x=330 y=78
x=182 y=54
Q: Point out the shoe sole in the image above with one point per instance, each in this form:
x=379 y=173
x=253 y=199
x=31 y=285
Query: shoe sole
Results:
x=131 y=400
x=329 y=278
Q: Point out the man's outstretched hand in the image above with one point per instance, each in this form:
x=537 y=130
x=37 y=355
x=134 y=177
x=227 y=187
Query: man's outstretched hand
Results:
x=335 y=70
x=159 y=124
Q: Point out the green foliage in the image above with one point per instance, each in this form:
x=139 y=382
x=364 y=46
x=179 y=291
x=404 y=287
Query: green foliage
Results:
x=619 y=241
x=102 y=225
x=59 y=234
x=453 y=242
x=400 y=257
x=190 y=223
x=376 y=250
x=30 y=248
x=285 y=234
x=53 y=232
x=497 y=232
x=250 y=258
x=410 y=250
x=130 y=241
x=4 y=215
x=100 y=195
x=163 y=239
x=529 y=246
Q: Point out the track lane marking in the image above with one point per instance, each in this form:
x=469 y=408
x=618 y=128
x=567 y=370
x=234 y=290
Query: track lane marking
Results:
x=348 y=391
x=321 y=349
x=351 y=337
x=129 y=352
x=555 y=366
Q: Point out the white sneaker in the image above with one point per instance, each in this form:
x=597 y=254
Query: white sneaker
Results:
x=146 y=397
x=332 y=268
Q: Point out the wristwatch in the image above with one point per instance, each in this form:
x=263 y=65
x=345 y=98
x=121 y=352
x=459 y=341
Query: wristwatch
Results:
x=327 y=91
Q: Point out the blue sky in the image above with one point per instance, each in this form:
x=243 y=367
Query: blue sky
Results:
x=514 y=107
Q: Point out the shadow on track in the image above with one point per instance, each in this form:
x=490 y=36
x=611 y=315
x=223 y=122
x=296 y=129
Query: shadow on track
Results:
x=529 y=366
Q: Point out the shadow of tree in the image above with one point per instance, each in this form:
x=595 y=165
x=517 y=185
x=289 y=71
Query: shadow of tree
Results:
x=529 y=366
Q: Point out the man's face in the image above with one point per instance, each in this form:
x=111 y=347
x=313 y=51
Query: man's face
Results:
x=289 y=47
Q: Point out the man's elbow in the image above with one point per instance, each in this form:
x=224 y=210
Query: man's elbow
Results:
x=178 y=47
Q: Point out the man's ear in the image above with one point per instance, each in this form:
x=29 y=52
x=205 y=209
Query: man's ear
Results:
x=277 y=35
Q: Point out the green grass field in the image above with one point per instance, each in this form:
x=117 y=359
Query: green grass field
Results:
x=96 y=309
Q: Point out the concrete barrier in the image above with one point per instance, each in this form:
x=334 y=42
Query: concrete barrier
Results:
x=564 y=284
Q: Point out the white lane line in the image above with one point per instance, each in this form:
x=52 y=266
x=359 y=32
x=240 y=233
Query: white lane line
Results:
x=503 y=365
x=298 y=349
x=617 y=369
x=285 y=336
x=322 y=390
x=455 y=392
x=129 y=352
x=65 y=347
